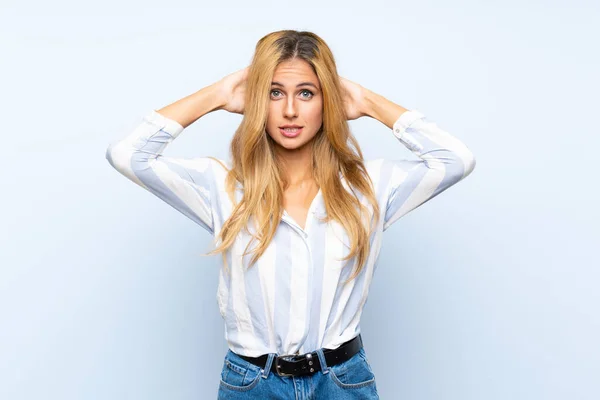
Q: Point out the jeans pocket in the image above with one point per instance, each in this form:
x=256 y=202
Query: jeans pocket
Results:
x=238 y=374
x=353 y=373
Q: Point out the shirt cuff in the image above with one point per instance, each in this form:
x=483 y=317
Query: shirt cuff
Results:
x=404 y=121
x=168 y=125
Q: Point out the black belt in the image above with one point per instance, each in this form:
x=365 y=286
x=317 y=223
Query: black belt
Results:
x=294 y=365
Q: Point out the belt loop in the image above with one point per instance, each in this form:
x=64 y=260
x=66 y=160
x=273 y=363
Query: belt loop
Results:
x=268 y=364
x=324 y=367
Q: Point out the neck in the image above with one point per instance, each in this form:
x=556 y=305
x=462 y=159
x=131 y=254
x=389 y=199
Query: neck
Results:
x=298 y=164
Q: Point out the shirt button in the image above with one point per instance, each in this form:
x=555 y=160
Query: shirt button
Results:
x=397 y=130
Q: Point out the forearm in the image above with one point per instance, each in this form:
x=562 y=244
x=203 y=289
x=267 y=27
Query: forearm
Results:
x=381 y=109
x=188 y=109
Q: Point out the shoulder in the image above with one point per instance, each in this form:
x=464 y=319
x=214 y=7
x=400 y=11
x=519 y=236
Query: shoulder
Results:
x=383 y=173
x=205 y=171
x=219 y=170
x=219 y=166
x=377 y=168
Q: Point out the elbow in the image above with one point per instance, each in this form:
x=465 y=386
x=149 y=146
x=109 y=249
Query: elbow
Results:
x=118 y=157
x=461 y=167
x=108 y=154
x=113 y=157
x=469 y=164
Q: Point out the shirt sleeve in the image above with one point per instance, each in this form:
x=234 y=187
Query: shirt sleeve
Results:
x=444 y=161
x=188 y=185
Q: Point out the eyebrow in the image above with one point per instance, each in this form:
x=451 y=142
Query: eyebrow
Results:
x=298 y=85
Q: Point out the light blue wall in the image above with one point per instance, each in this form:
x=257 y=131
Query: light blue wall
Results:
x=489 y=291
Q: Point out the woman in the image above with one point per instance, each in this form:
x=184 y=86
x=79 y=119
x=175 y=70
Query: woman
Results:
x=297 y=213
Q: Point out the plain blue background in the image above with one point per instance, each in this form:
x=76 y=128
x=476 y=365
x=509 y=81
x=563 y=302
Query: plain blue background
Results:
x=489 y=291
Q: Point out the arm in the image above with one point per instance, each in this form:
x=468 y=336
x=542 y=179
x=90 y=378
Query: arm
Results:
x=188 y=185
x=189 y=109
x=444 y=160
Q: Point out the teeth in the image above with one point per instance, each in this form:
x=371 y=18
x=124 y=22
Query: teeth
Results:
x=291 y=130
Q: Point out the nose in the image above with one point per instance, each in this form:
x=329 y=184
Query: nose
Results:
x=290 y=110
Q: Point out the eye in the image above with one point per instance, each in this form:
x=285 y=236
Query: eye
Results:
x=274 y=90
x=307 y=91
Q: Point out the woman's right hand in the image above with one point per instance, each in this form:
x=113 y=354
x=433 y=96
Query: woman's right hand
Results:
x=233 y=91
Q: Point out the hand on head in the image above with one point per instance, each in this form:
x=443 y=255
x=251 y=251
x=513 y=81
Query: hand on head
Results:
x=353 y=95
x=233 y=90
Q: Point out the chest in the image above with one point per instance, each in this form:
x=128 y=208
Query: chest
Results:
x=297 y=203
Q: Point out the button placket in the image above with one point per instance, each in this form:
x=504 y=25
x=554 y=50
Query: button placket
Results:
x=304 y=236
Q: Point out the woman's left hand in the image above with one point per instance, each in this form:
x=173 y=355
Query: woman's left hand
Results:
x=354 y=96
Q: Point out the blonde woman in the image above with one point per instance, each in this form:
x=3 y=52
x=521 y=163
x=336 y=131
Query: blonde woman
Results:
x=297 y=213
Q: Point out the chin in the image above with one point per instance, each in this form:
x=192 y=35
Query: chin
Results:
x=291 y=146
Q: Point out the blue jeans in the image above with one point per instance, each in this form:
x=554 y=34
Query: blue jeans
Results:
x=351 y=379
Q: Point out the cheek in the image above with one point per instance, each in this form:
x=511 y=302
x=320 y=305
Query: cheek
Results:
x=315 y=114
x=271 y=115
x=272 y=120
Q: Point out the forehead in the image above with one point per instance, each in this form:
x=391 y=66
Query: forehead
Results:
x=291 y=72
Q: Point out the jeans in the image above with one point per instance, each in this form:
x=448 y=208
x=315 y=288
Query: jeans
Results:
x=351 y=379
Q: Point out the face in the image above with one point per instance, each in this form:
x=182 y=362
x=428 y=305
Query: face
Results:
x=295 y=100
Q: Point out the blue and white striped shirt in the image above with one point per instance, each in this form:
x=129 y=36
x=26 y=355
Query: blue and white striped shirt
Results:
x=292 y=300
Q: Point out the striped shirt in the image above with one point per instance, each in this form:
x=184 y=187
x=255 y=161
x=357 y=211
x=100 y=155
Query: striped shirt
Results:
x=292 y=301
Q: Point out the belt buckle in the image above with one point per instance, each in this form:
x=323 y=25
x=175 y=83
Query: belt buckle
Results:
x=277 y=366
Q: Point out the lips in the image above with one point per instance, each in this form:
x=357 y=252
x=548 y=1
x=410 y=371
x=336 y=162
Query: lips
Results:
x=290 y=132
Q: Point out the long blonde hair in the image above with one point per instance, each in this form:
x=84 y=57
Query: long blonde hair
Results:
x=335 y=154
